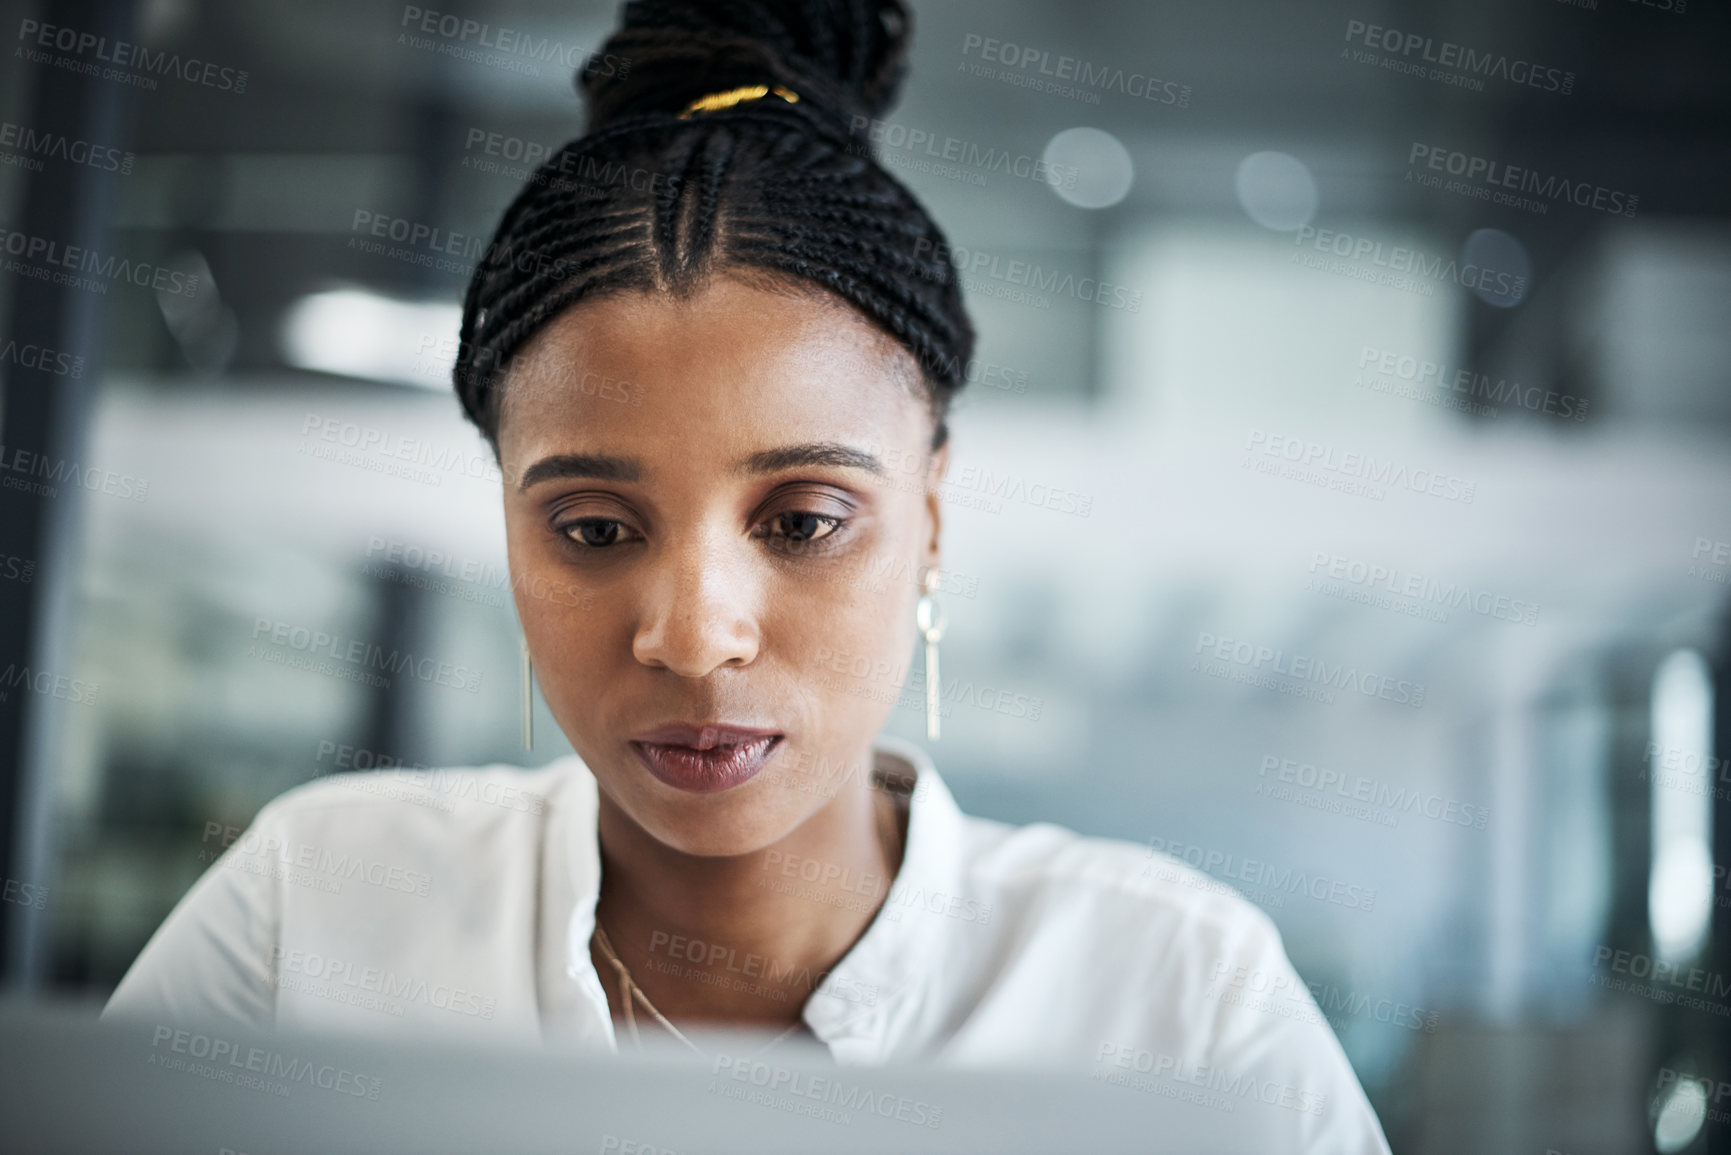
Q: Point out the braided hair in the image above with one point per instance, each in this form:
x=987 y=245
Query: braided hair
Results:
x=785 y=192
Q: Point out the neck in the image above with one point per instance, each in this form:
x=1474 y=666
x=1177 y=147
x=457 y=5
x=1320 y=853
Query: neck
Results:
x=744 y=940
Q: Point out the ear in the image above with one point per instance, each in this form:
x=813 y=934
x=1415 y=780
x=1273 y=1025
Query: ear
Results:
x=931 y=555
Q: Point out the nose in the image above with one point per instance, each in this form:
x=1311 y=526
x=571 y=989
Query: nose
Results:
x=698 y=609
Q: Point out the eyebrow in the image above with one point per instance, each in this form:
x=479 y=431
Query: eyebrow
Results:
x=811 y=453
x=596 y=466
x=605 y=467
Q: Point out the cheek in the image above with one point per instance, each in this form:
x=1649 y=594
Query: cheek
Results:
x=851 y=634
x=564 y=618
x=579 y=660
x=846 y=632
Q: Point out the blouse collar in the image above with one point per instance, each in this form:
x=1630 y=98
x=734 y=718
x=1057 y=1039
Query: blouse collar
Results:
x=874 y=995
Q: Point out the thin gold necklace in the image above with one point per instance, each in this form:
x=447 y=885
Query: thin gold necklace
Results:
x=629 y=991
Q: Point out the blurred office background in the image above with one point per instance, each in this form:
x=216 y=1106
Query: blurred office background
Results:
x=1530 y=821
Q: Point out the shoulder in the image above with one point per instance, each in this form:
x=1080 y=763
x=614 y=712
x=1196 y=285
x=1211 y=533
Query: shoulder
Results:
x=429 y=817
x=442 y=798
x=385 y=868
x=1161 y=941
x=1108 y=885
x=349 y=849
x=1184 y=979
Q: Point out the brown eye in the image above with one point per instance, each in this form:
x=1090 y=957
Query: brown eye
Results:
x=800 y=529
x=807 y=526
x=595 y=532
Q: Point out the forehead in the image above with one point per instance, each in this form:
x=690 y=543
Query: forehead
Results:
x=733 y=364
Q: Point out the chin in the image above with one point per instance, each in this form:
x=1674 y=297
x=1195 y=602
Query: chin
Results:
x=743 y=820
x=717 y=833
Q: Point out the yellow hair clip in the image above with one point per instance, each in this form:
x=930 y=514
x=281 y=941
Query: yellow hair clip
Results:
x=735 y=96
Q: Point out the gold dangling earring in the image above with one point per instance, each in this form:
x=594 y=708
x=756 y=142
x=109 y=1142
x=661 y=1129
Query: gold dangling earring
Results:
x=528 y=699
x=929 y=616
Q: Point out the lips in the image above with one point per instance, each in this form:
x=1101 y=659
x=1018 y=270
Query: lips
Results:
x=707 y=758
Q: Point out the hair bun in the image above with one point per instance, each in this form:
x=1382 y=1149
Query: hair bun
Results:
x=844 y=58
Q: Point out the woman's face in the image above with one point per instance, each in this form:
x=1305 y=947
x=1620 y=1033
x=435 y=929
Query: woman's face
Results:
x=718 y=512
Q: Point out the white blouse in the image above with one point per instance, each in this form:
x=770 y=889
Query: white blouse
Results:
x=464 y=900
